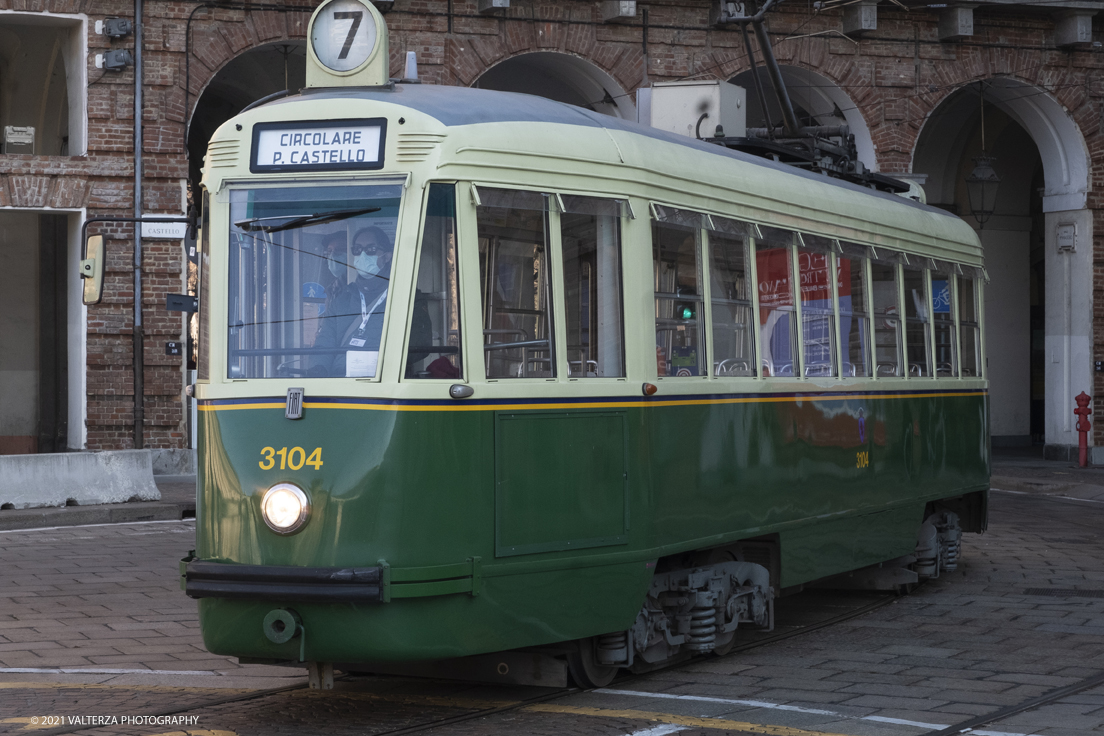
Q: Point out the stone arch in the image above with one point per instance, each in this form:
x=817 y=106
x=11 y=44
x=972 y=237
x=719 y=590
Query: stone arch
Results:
x=1062 y=148
x=817 y=99
x=1037 y=302
x=241 y=80
x=563 y=77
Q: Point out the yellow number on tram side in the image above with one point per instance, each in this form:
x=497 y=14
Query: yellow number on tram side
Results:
x=295 y=458
x=270 y=458
x=862 y=459
x=315 y=458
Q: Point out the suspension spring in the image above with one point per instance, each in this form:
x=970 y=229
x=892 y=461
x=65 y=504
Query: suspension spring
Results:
x=613 y=648
x=703 y=629
x=951 y=548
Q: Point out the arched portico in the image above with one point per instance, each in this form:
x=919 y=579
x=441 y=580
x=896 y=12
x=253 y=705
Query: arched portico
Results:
x=246 y=78
x=1039 y=300
x=562 y=77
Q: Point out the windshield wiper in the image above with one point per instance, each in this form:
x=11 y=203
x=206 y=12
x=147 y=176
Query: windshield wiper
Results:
x=262 y=223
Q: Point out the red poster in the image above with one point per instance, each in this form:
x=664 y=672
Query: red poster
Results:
x=774 y=281
x=813 y=269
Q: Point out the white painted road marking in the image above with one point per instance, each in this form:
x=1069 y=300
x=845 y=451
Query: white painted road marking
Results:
x=798 y=709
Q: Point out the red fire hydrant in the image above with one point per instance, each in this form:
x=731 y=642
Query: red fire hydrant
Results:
x=1083 y=411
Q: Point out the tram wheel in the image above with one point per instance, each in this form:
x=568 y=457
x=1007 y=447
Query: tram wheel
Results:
x=725 y=648
x=583 y=665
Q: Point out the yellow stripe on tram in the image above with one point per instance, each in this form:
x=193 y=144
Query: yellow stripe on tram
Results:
x=591 y=404
x=719 y=724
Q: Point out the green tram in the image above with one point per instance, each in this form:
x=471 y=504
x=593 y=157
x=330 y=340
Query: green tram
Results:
x=482 y=371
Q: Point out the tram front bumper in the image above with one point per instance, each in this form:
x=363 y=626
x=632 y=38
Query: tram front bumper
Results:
x=283 y=583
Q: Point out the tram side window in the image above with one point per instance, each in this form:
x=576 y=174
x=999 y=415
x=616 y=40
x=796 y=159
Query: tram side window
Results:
x=917 y=332
x=590 y=230
x=680 y=343
x=814 y=268
x=946 y=349
x=970 y=325
x=854 y=327
x=514 y=282
x=887 y=323
x=433 y=349
x=733 y=318
x=777 y=314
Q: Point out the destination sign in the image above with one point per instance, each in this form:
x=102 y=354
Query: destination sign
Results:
x=318 y=146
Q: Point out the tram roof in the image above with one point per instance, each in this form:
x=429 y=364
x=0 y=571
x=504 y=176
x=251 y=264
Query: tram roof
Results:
x=458 y=106
x=501 y=128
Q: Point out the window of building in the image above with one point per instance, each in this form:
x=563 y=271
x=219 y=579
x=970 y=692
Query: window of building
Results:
x=43 y=89
x=514 y=282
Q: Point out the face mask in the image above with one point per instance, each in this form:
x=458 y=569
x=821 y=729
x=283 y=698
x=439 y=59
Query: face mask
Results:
x=337 y=269
x=366 y=265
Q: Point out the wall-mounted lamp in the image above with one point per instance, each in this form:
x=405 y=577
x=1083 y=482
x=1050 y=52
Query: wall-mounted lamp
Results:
x=115 y=27
x=114 y=61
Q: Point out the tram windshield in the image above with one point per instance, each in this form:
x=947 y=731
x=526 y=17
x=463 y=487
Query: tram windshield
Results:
x=309 y=273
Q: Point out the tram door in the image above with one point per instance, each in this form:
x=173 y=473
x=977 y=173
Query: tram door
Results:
x=560 y=474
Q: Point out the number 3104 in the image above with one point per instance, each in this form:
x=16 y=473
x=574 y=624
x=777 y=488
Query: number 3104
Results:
x=294 y=458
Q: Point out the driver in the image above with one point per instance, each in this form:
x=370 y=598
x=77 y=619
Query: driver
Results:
x=354 y=321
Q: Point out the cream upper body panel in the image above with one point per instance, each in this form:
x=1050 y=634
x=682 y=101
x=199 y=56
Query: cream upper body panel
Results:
x=506 y=139
x=450 y=134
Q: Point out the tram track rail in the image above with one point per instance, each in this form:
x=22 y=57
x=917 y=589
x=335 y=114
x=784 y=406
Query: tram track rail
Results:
x=1011 y=710
x=501 y=707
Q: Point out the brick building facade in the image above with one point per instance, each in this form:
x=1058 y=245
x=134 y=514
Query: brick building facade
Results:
x=911 y=82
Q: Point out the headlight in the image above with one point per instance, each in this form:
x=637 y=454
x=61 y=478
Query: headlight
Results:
x=285 y=508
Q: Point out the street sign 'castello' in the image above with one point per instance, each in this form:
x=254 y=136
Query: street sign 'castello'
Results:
x=925 y=89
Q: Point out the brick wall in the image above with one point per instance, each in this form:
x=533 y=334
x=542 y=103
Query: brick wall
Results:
x=897 y=76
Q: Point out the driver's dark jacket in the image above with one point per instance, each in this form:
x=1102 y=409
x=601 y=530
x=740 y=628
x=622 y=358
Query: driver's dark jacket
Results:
x=341 y=322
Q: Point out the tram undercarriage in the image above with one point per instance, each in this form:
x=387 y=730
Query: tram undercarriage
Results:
x=697 y=610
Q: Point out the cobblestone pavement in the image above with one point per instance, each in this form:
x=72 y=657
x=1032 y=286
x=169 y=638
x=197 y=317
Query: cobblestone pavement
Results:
x=1022 y=616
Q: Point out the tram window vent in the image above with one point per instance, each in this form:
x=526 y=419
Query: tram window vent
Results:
x=416 y=147
x=1064 y=593
x=223 y=154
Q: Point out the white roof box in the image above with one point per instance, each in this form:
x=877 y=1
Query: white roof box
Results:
x=678 y=107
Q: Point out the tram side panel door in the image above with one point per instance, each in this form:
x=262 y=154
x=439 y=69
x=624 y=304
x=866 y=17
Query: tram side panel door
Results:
x=561 y=481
